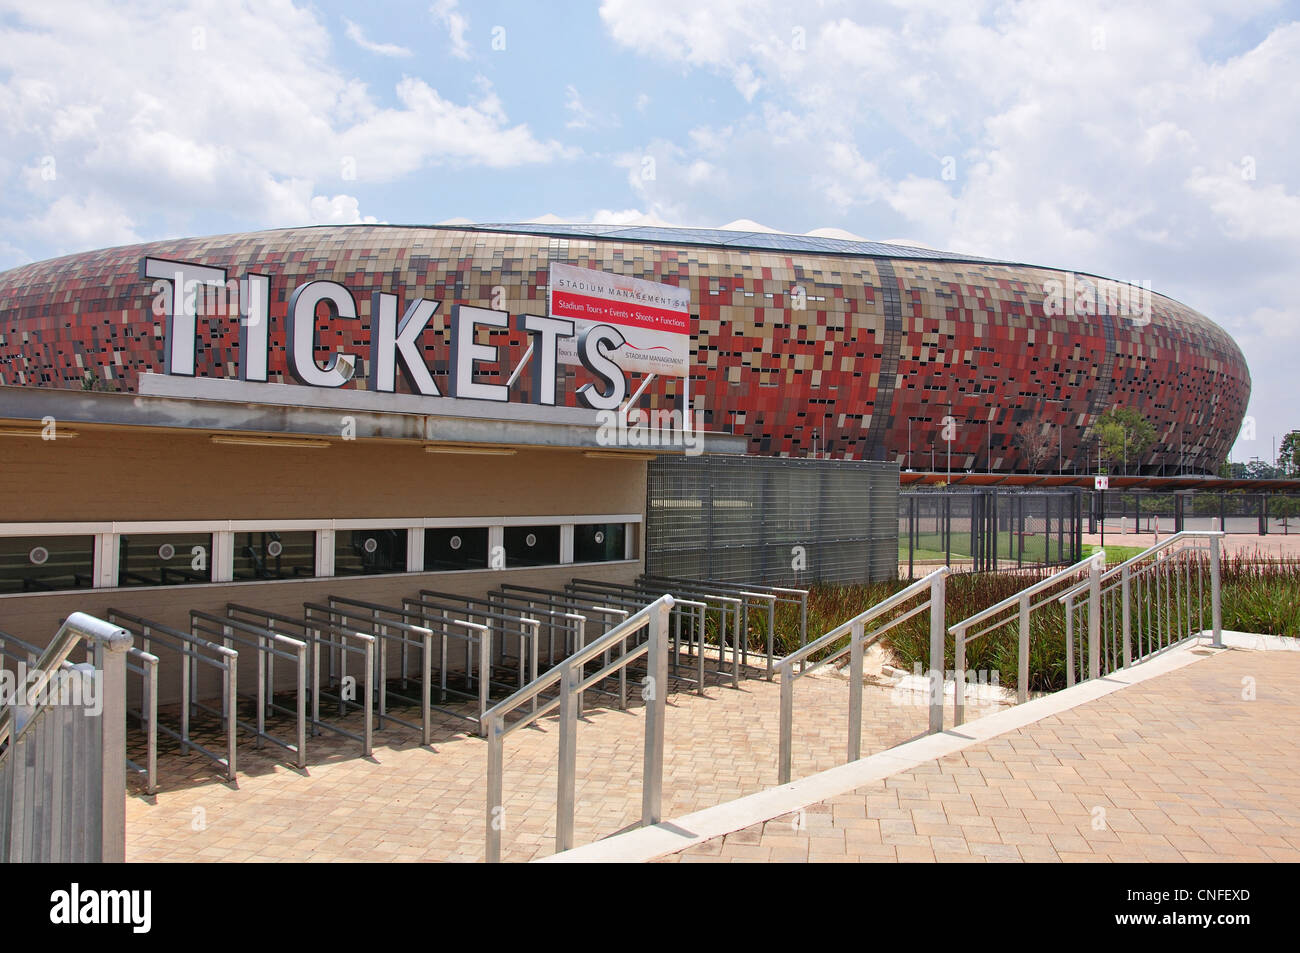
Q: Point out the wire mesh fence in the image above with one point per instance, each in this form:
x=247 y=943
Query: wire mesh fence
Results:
x=1235 y=512
x=988 y=529
x=771 y=520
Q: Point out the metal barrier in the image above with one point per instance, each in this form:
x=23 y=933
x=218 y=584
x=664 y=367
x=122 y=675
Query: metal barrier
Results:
x=335 y=637
x=269 y=646
x=565 y=625
x=559 y=600
x=726 y=606
x=694 y=610
x=1018 y=607
x=1145 y=604
x=769 y=595
x=63 y=762
x=571 y=677
x=194 y=652
x=636 y=595
x=933 y=586
x=390 y=625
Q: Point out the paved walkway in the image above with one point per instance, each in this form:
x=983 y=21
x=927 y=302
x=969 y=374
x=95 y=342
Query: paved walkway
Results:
x=412 y=803
x=1197 y=764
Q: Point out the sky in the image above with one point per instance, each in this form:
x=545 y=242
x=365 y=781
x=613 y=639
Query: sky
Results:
x=1155 y=142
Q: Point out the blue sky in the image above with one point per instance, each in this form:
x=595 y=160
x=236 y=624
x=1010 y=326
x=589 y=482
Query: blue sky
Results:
x=1155 y=142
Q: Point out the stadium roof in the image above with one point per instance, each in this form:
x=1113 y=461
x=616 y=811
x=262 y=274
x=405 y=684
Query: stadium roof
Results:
x=762 y=241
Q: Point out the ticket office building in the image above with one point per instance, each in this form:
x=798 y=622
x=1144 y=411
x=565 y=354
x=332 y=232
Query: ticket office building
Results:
x=255 y=494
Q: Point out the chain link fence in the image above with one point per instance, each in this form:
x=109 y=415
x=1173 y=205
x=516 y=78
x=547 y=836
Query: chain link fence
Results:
x=772 y=520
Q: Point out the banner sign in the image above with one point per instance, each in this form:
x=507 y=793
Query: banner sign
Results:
x=653 y=319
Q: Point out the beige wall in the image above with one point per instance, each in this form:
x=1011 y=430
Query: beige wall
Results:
x=123 y=475
x=161 y=475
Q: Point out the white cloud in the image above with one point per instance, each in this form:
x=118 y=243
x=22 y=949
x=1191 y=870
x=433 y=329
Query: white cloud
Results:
x=358 y=37
x=580 y=114
x=246 y=116
x=70 y=223
x=340 y=210
x=1094 y=135
x=445 y=11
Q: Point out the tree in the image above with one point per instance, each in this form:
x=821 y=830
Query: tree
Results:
x=1124 y=434
x=1288 y=455
x=1034 y=443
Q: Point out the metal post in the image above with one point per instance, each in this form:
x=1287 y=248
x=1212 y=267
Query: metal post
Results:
x=1094 y=618
x=855 y=692
x=566 y=782
x=1216 y=607
x=426 y=688
x=112 y=653
x=938 y=590
x=496 y=815
x=302 y=705
x=959 y=678
x=652 y=773
x=1127 y=613
x=787 y=724
x=1022 y=654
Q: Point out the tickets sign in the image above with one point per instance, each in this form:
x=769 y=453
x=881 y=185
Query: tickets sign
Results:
x=653 y=319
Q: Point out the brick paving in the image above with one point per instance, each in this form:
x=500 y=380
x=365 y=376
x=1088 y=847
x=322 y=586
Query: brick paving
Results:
x=1183 y=767
x=409 y=803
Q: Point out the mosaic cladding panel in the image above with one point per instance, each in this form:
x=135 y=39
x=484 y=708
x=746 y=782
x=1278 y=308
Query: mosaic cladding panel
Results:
x=975 y=340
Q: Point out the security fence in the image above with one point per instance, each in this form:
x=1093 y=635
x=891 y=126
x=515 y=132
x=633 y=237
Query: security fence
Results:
x=1145 y=511
x=988 y=529
x=777 y=521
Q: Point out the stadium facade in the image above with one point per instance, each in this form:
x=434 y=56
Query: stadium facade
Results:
x=804 y=345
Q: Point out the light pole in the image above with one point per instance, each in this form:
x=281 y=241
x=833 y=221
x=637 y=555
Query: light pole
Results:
x=909 y=443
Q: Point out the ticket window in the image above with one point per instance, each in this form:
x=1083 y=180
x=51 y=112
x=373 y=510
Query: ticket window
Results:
x=532 y=546
x=46 y=563
x=365 y=552
x=164 y=559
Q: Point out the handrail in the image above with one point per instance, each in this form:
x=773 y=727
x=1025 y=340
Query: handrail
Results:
x=1163 y=544
x=863 y=617
x=1145 y=611
x=572 y=678
x=1030 y=590
x=102 y=830
x=933 y=584
x=1024 y=605
x=787 y=594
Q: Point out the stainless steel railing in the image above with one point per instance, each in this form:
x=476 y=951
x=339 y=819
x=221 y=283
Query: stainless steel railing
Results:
x=571 y=678
x=784 y=595
x=1018 y=608
x=391 y=627
x=269 y=646
x=63 y=764
x=337 y=639
x=687 y=620
x=196 y=655
x=1145 y=604
x=794 y=666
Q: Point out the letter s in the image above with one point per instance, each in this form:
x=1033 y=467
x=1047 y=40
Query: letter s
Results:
x=599 y=363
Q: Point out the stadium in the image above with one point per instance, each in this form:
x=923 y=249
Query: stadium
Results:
x=805 y=345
